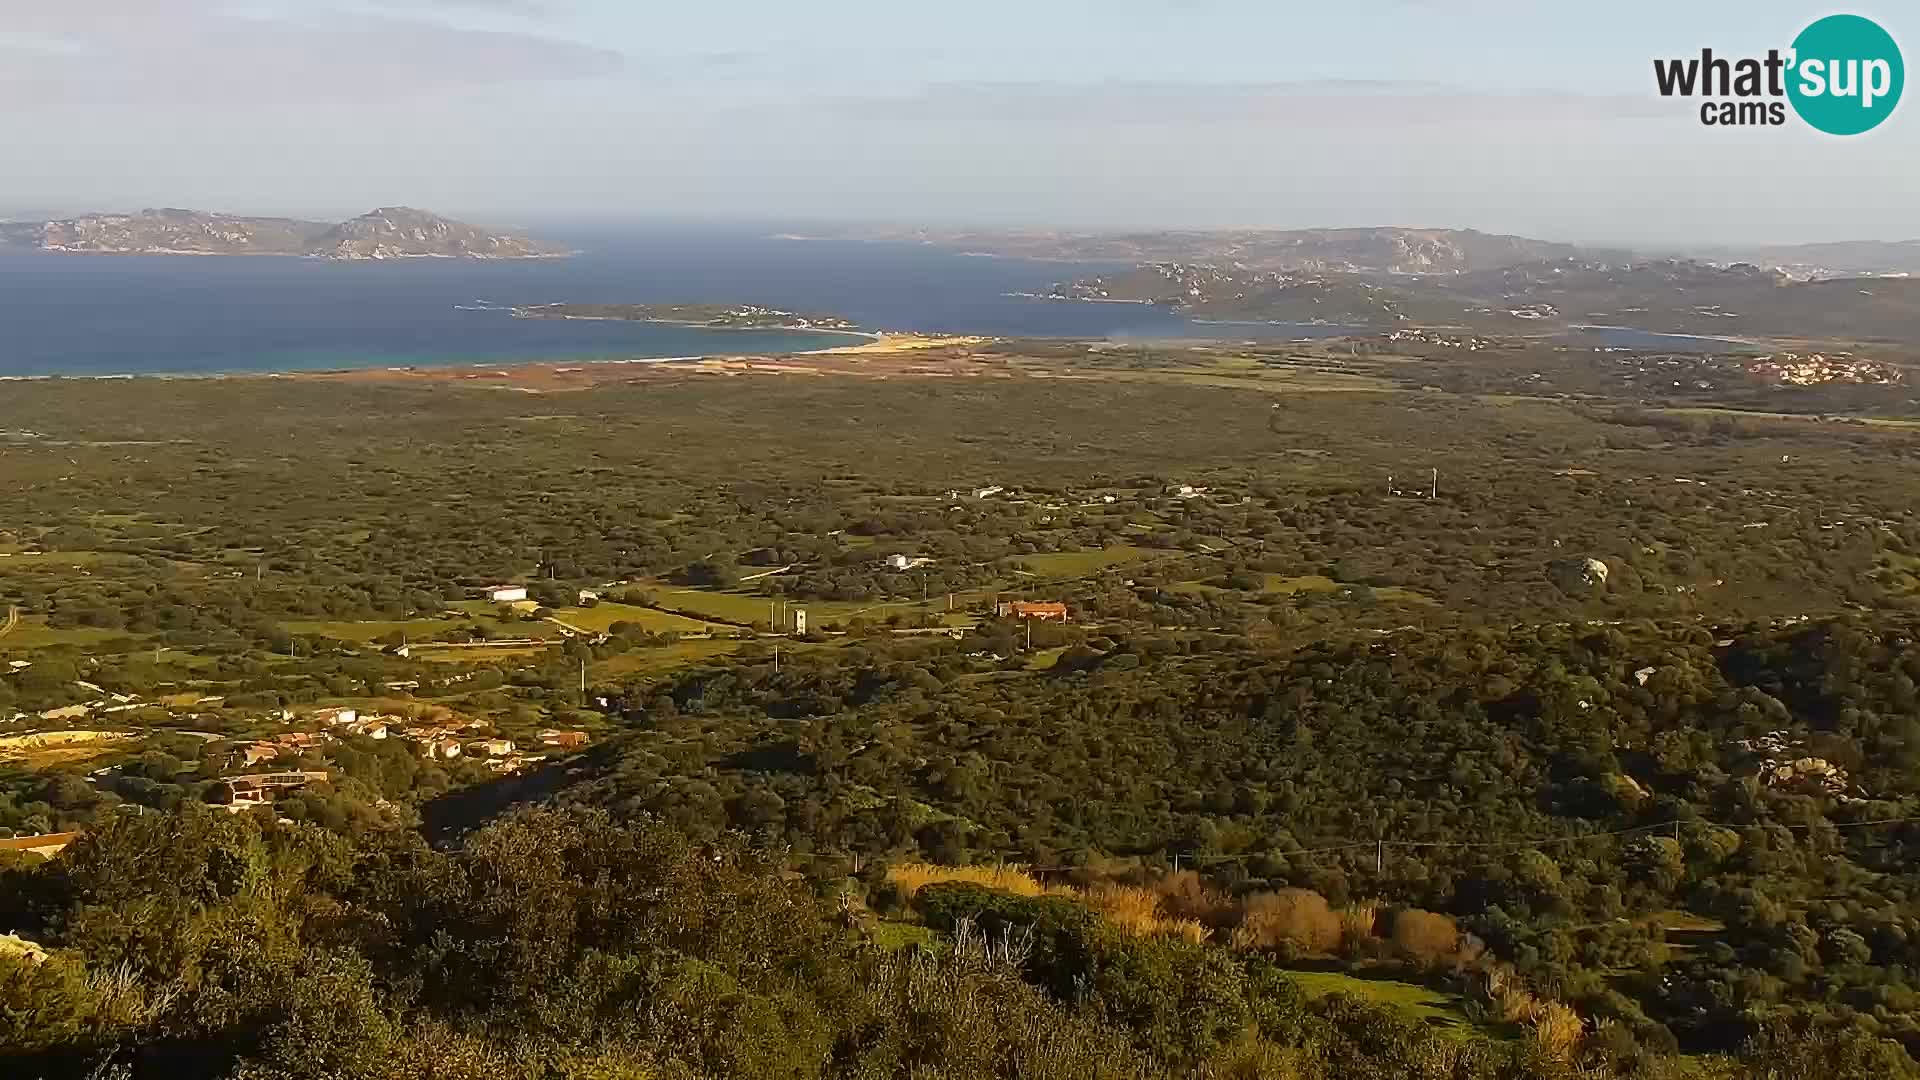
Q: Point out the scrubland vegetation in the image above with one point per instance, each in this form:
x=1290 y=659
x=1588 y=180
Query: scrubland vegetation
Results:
x=1332 y=774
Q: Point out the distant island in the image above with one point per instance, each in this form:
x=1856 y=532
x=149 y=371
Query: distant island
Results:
x=1362 y=250
x=1381 y=250
x=1672 y=296
x=705 y=316
x=392 y=232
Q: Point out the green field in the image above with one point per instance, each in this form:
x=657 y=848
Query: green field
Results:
x=34 y=633
x=1044 y=659
x=477 y=656
x=739 y=607
x=415 y=629
x=1073 y=564
x=1295 y=585
x=1443 y=1012
x=602 y=616
x=42 y=559
x=660 y=661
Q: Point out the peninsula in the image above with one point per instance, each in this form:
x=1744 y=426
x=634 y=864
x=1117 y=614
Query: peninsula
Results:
x=705 y=316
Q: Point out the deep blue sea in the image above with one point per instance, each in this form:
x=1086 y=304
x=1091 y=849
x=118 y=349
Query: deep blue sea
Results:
x=129 y=314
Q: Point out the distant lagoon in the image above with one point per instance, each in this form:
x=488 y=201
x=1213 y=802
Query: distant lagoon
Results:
x=155 y=314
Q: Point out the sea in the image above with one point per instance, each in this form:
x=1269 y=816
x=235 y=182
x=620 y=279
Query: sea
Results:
x=99 y=315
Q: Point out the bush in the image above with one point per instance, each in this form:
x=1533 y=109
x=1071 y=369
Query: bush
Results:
x=1291 y=920
x=1424 y=937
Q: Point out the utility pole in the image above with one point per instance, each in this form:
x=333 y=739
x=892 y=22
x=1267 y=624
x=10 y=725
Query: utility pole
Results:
x=1029 y=634
x=1436 y=485
x=776 y=656
x=583 y=679
x=1380 y=857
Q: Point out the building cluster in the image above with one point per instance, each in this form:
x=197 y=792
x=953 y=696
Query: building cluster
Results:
x=1434 y=337
x=438 y=740
x=1785 y=763
x=1816 y=369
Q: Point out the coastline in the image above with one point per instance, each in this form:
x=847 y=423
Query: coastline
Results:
x=691 y=324
x=419 y=255
x=876 y=342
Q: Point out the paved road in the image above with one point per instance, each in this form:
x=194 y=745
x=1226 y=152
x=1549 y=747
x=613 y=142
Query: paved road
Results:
x=13 y=620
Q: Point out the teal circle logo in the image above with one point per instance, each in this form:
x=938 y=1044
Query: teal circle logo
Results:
x=1847 y=75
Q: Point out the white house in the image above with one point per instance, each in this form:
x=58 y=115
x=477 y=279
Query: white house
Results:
x=339 y=717
x=506 y=594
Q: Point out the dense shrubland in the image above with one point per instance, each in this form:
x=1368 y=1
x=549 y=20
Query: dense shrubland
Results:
x=564 y=945
x=1599 y=807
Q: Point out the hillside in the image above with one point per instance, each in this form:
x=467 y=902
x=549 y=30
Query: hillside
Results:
x=1670 y=296
x=1383 y=661
x=1564 y=792
x=386 y=233
x=1833 y=258
x=401 y=232
x=1365 y=250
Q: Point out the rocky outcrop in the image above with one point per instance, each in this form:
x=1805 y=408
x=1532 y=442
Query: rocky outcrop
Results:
x=1578 y=576
x=399 y=232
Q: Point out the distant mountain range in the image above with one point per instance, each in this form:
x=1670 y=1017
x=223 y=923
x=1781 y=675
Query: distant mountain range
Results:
x=1386 y=250
x=1376 y=250
x=393 y=232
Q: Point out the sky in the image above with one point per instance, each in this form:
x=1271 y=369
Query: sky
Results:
x=1526 y=116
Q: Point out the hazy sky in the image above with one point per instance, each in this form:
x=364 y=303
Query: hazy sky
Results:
x=1530 y=116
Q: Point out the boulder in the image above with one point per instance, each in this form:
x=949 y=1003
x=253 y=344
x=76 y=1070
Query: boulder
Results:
x=1578 y=576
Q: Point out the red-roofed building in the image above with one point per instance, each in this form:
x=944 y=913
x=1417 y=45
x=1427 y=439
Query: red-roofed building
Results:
x=1019 y=609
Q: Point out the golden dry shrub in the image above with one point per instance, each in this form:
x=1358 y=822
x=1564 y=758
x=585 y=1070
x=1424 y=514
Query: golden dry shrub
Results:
x=1133 y=908
x=1185 y=929
x=1186 y=895
x=1557 y=1030
x=1357 y=922
x=1514 y=1004
x=1296 y=918
x=1137 y=910
x=1425 y=937
x=910 y=878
